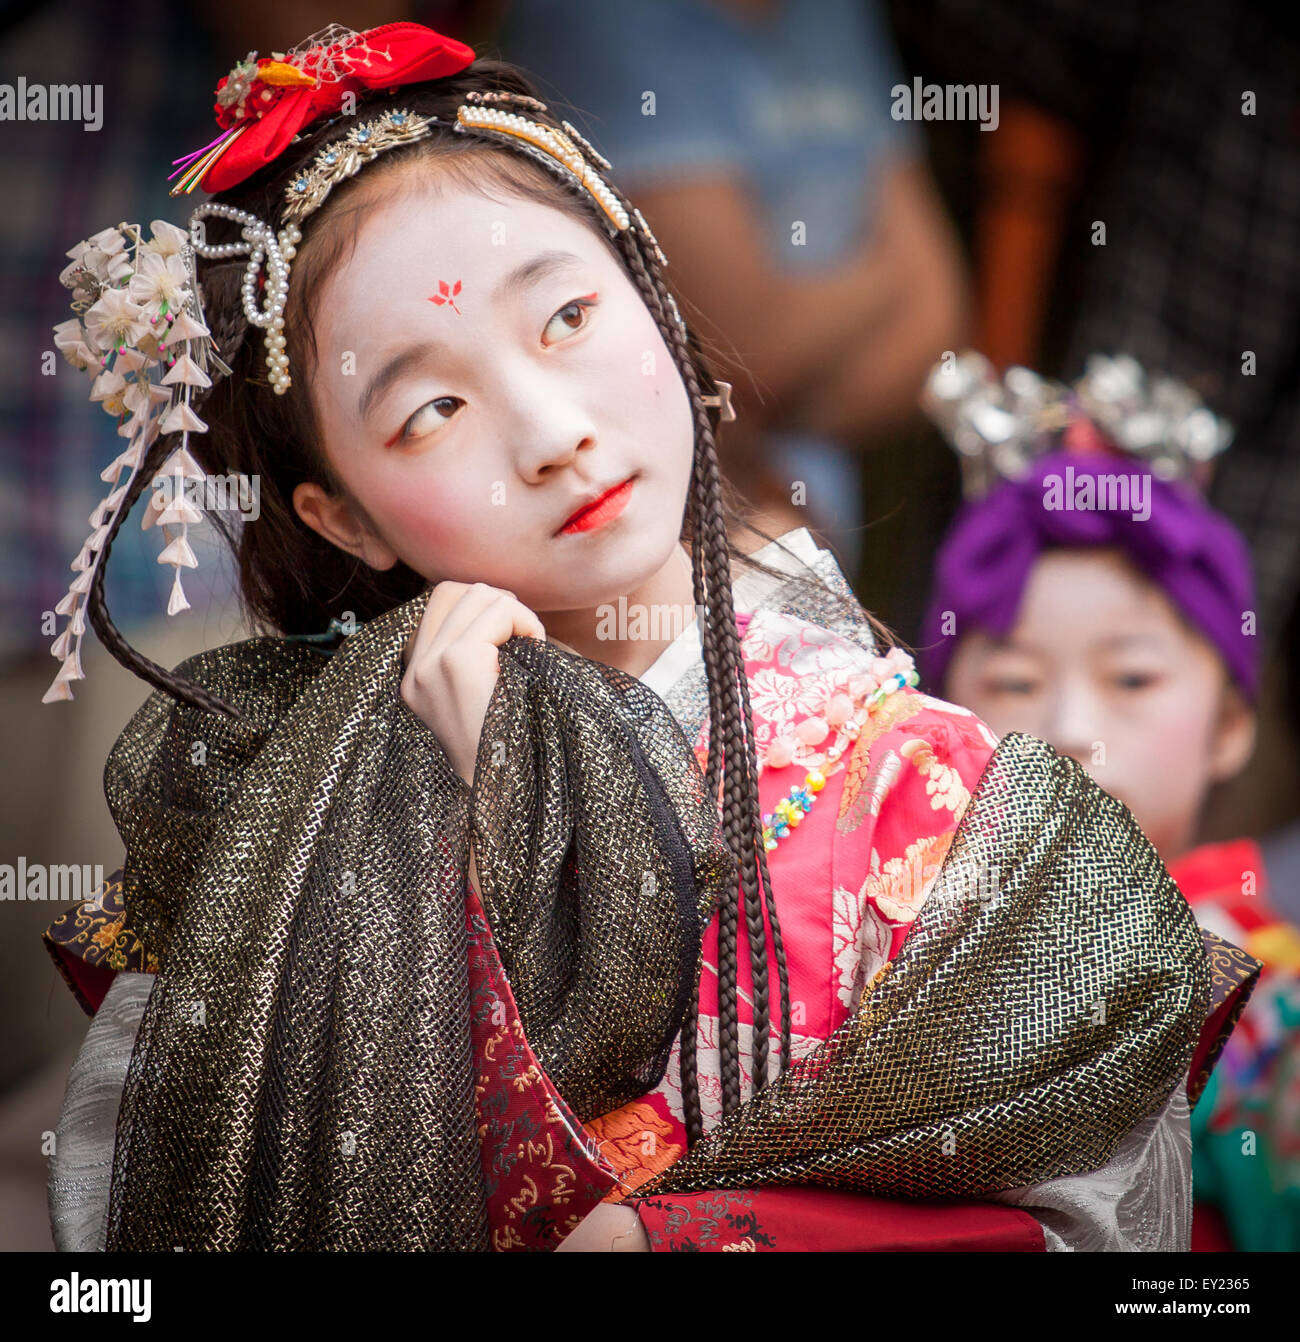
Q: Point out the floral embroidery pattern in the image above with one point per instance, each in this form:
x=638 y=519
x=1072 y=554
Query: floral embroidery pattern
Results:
x=96 y=933
x=724 y=1221
x=862 y=942
x=780 y=698
x=797 y=672
x=855 y=809
x=900 y=886
x=867 y=784
x=708 y=1055
x=943 y=782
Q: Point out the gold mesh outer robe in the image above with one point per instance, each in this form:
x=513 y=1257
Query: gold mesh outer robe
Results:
x=302 y=1076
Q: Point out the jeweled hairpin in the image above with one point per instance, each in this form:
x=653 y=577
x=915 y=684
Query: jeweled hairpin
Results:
x=345 y=157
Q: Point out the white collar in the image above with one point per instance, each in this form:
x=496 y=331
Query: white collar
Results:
x=788 y=553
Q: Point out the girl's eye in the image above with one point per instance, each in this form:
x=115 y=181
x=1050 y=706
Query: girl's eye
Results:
x=415 y=427
x=1135 y=680
x=573 y=315
x=1010 y=685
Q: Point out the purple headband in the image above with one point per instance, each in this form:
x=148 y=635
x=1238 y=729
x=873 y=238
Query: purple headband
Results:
x=1194 y=554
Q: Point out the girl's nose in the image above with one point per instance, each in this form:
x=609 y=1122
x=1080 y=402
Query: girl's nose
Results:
x=1075 y=724
x=546 y=424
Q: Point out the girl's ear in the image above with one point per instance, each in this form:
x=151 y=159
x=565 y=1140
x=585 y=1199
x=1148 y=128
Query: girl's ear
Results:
x=1234 y=735
x=335 y=519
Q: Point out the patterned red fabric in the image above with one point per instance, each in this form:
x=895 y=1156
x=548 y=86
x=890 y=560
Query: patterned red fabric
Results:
x=543 y=1174
x=811 y=1220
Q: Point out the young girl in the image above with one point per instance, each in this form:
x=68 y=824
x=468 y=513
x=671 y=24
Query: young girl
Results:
x=573 y=898
x=1150 y=685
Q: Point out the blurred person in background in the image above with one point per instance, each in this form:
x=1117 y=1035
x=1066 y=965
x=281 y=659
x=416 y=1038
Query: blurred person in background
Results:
x=1142 y=196
x=1151 y=685
x=797 y=214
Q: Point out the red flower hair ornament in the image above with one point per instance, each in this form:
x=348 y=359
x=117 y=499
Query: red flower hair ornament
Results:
x=262 y=104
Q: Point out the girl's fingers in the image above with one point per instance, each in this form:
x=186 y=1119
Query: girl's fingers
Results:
x=472 y=603
x=462 y=623
x=500 y=622
x=447 y=597
x=443 y=597
x=457 y=610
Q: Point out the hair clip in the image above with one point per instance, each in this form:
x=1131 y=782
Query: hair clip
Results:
x=721 y=402
x=506 y=96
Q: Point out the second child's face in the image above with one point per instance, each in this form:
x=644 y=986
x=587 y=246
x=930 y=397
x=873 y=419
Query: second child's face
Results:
x=485 y=367
x=1101 y=667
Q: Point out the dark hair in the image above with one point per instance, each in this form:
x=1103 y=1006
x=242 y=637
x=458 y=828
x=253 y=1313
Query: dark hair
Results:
x=292 y=580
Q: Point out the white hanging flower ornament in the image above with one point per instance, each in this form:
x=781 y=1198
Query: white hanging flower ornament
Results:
x=114 y=320
x=138 y=328
x=159 y=285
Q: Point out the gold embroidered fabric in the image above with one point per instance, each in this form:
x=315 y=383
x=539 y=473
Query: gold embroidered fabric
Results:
x=1234 y=976
x=1047 y=999
x=302 y=1077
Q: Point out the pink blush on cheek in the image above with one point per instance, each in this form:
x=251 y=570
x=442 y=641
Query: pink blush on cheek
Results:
x=435 y=530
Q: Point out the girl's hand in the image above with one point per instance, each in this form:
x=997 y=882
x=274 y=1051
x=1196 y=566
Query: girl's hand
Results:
x=452 y=662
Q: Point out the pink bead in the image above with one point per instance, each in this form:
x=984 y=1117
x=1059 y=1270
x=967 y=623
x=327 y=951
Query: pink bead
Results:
x=811 y=731
x=839 y=710
x=781 y=752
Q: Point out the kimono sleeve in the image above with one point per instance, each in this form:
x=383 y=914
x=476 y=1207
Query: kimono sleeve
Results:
x=907 y=784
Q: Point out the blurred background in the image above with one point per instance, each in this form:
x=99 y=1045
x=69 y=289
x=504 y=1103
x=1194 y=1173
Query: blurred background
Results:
x=827 y=252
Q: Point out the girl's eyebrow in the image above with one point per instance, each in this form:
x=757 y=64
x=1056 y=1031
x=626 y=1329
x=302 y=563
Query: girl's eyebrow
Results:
x=537 y=268
x=1126 y=640
x=528 y=272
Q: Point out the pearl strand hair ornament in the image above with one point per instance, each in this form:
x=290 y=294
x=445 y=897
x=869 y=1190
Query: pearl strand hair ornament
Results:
x=262 y=245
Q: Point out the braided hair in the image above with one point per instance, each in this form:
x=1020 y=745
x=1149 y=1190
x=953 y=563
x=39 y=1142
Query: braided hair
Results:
x=292 y=581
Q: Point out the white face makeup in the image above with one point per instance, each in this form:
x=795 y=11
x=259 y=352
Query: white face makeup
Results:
x=485 y=368
x=1100 y=666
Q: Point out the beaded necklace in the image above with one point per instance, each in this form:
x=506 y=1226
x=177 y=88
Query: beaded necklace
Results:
x=791 y=809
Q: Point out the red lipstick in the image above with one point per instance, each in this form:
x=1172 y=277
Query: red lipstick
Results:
x=603 y=511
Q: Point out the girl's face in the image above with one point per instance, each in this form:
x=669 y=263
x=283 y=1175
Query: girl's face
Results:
x=485 y=369
x=1100 y=666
